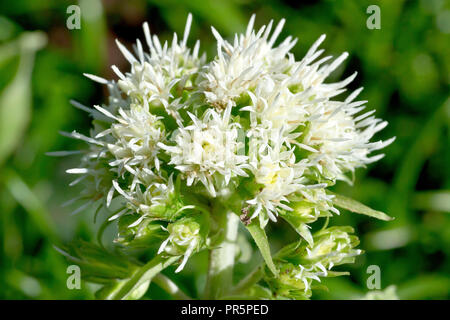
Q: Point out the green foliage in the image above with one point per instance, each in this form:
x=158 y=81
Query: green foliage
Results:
x=357 y=207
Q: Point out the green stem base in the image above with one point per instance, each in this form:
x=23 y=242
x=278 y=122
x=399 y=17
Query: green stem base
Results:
x=221 y=259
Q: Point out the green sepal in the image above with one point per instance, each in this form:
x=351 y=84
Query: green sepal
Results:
x=259 y=292
x=357 y=207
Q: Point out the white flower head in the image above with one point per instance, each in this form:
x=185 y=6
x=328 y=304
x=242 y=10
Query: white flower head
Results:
x=241 y=64
x=208 y=150
x=297 y=135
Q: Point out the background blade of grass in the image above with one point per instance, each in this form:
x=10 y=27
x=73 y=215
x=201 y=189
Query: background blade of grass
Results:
x=403 y=67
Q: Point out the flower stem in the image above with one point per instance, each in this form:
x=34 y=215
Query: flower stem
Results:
x=221 y=258
x=170 y=287
x=248 y=281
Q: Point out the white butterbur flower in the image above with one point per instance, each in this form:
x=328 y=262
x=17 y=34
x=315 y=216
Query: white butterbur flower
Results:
x=341 y=140
x=252 y=130
x=279 y=176
x=154 y=75
x=241 y=64
x=136 y=134
x=208 y=150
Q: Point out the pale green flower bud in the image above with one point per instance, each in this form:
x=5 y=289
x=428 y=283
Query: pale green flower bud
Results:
x=289 y=284
x=333 y=246
x=301 y=263
x=162 y=201
x=186 y=236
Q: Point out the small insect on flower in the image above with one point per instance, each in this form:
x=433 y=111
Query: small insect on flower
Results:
x=183 y=141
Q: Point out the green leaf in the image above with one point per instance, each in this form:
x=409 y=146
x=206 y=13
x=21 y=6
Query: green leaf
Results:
x=27 y=198
x=358 y=207
x=259 y=235
x=98 y=264
x=421 y=148
x=143 y=275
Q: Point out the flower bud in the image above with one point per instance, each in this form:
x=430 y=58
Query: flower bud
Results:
x=143 y=235
x=186 y=236
x=292 y=282
x=333 y=246
x=160 y=201
x=301 y=263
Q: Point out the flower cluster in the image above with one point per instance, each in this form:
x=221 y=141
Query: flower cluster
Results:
x=301 y=263
x=253 y=130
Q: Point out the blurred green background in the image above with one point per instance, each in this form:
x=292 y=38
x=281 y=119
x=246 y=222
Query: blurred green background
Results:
x=404 y=67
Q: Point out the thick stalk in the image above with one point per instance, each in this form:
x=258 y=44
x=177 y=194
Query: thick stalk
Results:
x=221 y=258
